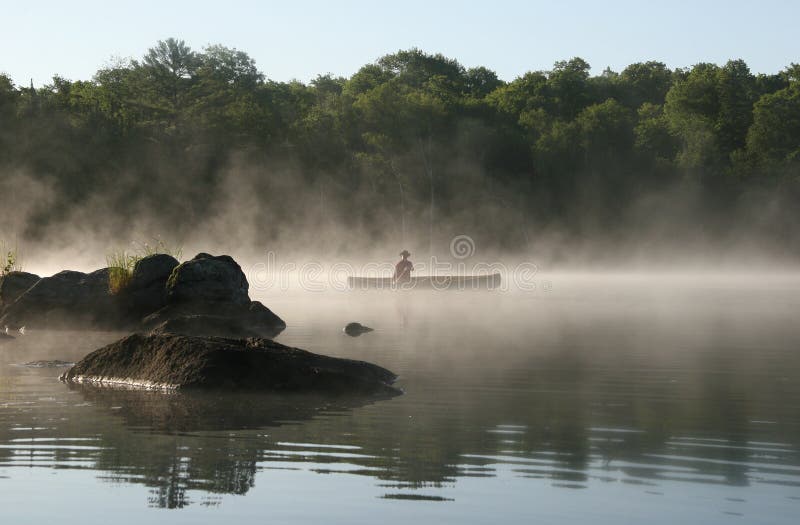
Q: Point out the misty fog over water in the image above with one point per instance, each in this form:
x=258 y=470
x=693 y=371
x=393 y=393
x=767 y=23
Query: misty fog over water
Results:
x=198 y=146
x=596 y=398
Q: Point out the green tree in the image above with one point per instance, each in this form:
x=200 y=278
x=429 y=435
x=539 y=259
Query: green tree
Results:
x=568 y=87
x=171 y=66
x=691 y=109
x=653 y=139
x=416 y=68
x=605 y=131
x=775 y=133
x=223 y=96
x=645 y=82
x=480 y=82
x=525 y=101
x=736 y=87
x=413 y=135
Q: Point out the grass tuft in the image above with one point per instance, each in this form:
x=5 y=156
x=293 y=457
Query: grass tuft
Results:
x=120 y=270
x=158 y=246
x=11 y=259
x=122 y=262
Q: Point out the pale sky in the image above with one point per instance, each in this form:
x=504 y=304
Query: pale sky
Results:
x=302 y=39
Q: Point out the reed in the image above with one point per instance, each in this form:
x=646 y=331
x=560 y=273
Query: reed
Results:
x=122 y=262
x=120 y=269
x=158 y=246
x=12 y=260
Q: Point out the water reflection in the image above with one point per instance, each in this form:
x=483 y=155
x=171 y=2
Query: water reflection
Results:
x=216 y=444
x=183 y=441
x=188 y=411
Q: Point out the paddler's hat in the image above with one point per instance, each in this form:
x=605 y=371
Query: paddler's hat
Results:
x=405 y=252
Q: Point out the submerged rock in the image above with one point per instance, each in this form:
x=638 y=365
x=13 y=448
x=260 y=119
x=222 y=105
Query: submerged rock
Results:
x=179 y=361
x=356 y=329
x=53 y=363
x=14 y=284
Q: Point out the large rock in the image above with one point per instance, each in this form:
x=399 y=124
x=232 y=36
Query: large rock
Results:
x=67 y=299
x=159 y=290
x=147 y=290
x=262 y=319
x=13 y=284
x=178 y=361
x=207 y=278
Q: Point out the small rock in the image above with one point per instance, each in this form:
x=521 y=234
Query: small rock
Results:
x=356 y=329
x=54 y=363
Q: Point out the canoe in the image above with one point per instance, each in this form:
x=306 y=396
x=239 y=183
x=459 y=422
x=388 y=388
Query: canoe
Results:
x=428 y=282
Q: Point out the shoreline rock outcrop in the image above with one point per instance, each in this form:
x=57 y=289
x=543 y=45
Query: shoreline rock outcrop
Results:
x=14 y=284
x=206 y=326
x=173 y=361
x=254 y=318
x=207 y=278
x=206 y=332
x=160 y=290
x=146 y=292
x=66 y=299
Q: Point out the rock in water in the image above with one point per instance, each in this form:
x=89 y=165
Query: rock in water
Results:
x=159 y=290
x=54 y=363
x=252 y=318
x=208 y=279
x=356 y=329
x=66 y=299
x=179 y=361
x=146 y=292
x=206 y=326
x=216 y=287
x=14 y=284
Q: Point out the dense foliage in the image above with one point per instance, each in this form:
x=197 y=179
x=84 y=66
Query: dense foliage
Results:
x=412 y=145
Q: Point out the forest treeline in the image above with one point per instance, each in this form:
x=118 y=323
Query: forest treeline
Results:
x=414 y=144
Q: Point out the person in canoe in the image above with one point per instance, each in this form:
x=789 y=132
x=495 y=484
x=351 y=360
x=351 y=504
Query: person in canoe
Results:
x=403 y=269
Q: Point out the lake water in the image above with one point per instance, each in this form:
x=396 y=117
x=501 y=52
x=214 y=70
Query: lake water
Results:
x=628 y=399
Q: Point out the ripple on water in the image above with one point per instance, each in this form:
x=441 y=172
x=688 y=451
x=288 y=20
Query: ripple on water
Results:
x=575 y=403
